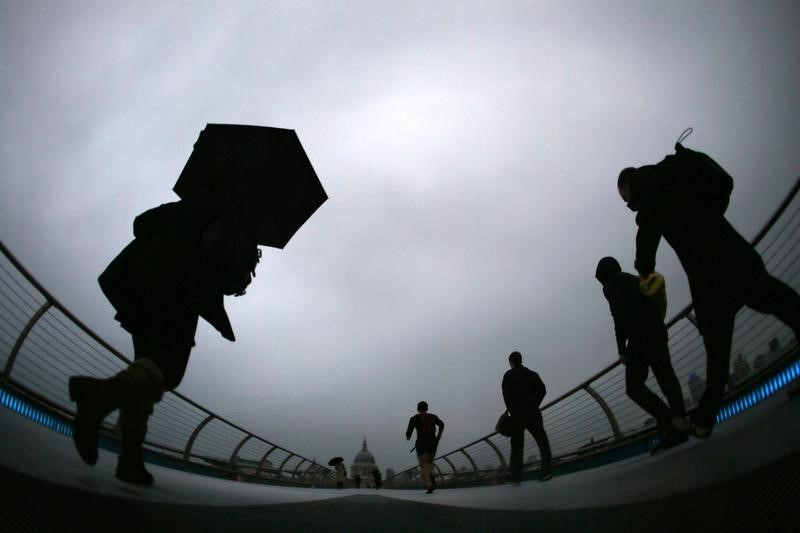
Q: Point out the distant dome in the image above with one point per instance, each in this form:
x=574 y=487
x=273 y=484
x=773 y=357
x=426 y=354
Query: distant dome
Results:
x=364 y=456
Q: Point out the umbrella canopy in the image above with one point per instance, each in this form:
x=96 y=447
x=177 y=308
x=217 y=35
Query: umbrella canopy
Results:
x=335 y=461
x=266 y=173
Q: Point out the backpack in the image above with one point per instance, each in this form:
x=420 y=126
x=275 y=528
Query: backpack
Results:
x=696 y=182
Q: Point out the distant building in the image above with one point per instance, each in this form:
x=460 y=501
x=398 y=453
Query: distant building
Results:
x=363 y=465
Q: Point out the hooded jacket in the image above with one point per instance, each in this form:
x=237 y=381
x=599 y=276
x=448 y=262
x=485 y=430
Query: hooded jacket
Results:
x=637 y=323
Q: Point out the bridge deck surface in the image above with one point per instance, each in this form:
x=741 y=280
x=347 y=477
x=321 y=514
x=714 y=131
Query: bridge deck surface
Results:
x=744 y=478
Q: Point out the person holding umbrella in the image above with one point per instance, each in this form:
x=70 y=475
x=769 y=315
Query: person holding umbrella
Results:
x=185 y=257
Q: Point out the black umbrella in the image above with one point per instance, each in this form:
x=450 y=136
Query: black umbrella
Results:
x=266 y=171
x=335 y=461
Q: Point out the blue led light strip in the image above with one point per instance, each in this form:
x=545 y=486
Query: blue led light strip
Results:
x=762 y=392
x=37 y=415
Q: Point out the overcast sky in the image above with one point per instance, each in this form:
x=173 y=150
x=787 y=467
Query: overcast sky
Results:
x=470 y=152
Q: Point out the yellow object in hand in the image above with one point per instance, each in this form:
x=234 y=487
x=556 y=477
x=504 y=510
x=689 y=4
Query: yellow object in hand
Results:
x=655 y=288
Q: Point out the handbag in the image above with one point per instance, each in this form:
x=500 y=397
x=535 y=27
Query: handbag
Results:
x=505 y=426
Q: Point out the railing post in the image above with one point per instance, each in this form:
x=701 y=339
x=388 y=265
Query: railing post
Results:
x=280 y=468
x=22 y=335
x=607 y=410
x=452 y=466
x=497 y=451
x=298 y=467
x=474 y=466
x=232 y=462
x=188 y=451
x=264 y=460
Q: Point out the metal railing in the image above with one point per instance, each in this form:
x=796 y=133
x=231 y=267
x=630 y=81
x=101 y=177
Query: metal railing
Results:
x=597 y=416
x=42 y=344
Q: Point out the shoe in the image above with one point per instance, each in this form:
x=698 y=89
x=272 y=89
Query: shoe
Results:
x=429 y=491
x=546 y=477
x=133 y=471
x=699 y=431
x=94 y=401
x=670 y=439
x=680 y=423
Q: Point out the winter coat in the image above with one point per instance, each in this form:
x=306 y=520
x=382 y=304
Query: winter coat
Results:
x=523 y=390
x=160 y=283
x=716 y=258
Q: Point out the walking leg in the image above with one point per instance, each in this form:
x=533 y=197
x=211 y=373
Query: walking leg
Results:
x=536 y=427
x=717 y=334
x=635 y=375
x=515 y=462
x=769 y=295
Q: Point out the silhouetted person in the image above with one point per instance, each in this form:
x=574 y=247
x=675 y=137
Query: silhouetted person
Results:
x=183 y=260
x=341 y=474
x=642 y=345
x=724 y=271
x=427 y=441
x=357 y=480
x=376 y=476
x=523 y=392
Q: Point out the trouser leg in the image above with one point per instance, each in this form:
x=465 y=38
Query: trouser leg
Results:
x=426 y=466
x=665 y=376
x=717 y=334
x=515 y=462
x=145 y=388
x=536 y=427
x=769 y=295
x=635 y=376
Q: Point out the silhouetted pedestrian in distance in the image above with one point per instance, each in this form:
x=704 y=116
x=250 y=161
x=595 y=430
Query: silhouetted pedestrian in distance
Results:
x=185 y=257
x=724 y=271
x=642 y=345
x=427 y=441
x=523 y=392
x=376 y=476
x=341 y=475
x=357 y=481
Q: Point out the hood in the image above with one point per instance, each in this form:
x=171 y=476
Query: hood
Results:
x=607 y=267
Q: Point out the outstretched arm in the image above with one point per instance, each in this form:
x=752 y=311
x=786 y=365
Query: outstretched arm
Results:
x=647 y=241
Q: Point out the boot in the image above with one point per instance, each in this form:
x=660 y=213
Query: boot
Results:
x=94 y=400
x=130 y=465
x=144 y=386
x=97 y=398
